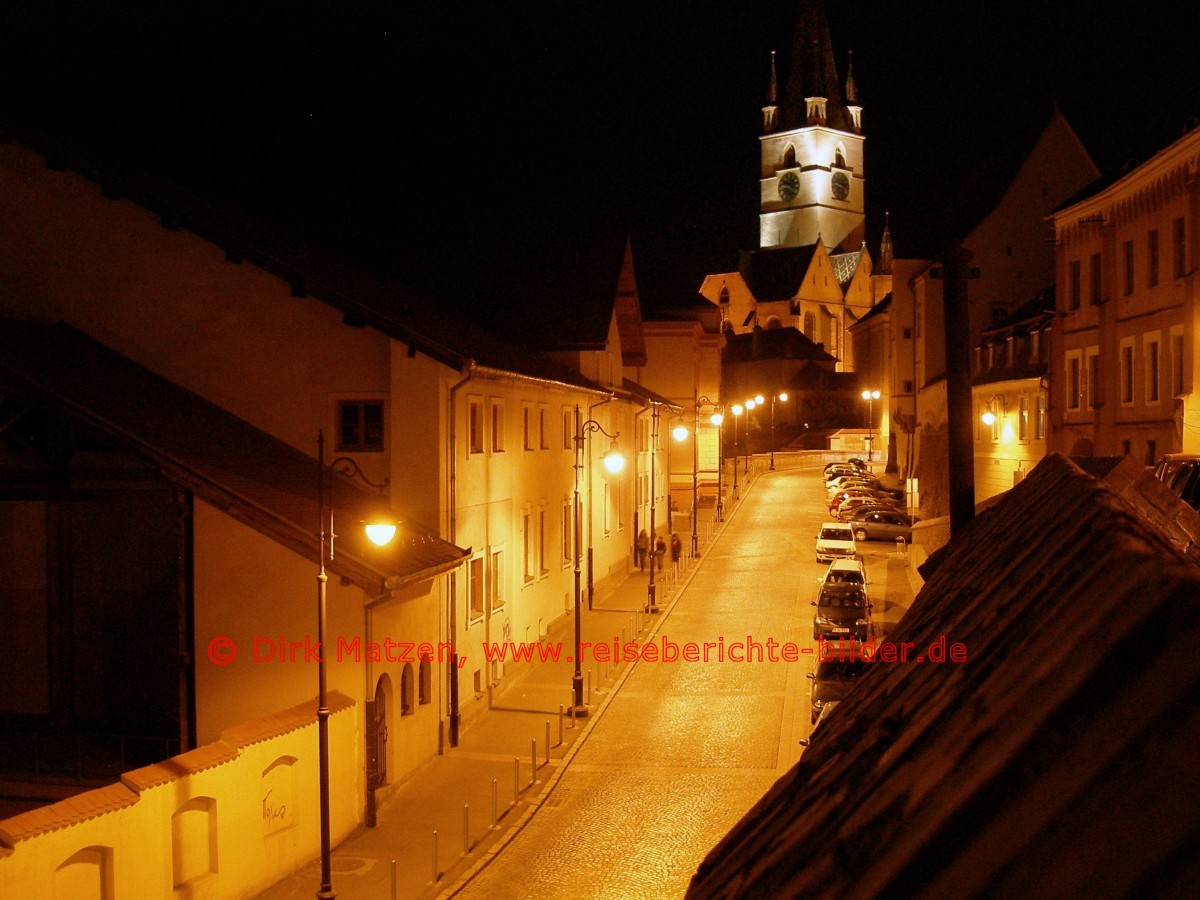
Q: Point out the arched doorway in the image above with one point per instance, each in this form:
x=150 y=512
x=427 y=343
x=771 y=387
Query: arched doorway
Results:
x=377 y=737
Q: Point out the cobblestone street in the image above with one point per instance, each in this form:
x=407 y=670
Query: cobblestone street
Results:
x=682 y=749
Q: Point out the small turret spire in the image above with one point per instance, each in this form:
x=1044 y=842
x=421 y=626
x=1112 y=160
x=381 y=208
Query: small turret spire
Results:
x=771 y=110
x=885 y=247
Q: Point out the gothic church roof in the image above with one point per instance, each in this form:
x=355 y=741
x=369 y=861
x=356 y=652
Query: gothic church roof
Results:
x=812 y=72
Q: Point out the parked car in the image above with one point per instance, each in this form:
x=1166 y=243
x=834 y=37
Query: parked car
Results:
x=835 y=541
x=851 y=465
x=849 y=507
x=845 y=571
x=843 y=612
x=841 y=497
x=1166 y=466
x=1185 y=483
x=841 y=481
x=882 y=525
x=873 y=505
x=832 y=682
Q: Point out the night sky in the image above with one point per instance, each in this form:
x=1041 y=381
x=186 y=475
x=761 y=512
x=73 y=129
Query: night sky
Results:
x=422 y=135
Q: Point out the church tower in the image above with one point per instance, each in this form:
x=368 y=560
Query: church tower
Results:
x=812 y=147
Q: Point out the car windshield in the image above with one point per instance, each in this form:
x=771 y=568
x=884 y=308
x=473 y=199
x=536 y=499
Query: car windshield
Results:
x=836 y=534
x=841 y=596
x=845 y=576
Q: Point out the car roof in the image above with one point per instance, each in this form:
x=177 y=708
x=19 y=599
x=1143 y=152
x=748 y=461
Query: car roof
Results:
x=846 y=564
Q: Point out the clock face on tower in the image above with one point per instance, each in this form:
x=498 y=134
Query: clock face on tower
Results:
x=789 y=185
x=840 y=185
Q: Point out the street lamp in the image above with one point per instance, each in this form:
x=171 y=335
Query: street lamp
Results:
x=782 y=398
x=379 y=532
x=736 y=409
x=613 y=462
x=716 y=420
x=870 y=396
x=989 y=418
x=752 y=403
x=651 y=587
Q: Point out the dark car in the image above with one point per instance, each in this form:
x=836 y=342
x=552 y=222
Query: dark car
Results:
x=832 y=682
x=843 y=612
x=881 y=525
x=1185 y=483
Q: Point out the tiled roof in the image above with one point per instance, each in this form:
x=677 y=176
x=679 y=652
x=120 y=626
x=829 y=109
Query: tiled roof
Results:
x=773 y=343
x=282 y=722
x=775 y=273
x=845 y=265
x=1059 y=760
x=70 y=811
x=224 y=460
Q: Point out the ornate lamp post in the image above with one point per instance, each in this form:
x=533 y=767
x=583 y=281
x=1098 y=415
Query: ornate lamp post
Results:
x=651 y=587
x=870 y=396
x=751 y=404
x=613 y=461
x=782 y=398
x=379 y=533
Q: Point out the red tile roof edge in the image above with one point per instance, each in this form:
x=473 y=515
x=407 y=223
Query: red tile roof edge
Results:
x=283 y=722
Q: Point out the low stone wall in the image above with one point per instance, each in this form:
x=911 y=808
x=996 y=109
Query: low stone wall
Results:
x=227 y=819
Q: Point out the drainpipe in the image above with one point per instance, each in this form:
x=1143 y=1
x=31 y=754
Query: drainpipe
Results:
x=452 y=528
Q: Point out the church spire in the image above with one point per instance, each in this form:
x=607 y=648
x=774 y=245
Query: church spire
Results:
x=885 y=247
x=811 y=95
x=771 y=110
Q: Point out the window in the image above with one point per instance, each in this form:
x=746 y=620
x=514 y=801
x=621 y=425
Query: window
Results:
x=1093 y=377
x=528 y=546
x=810 y=326
x=1073 y=285
x=497 y=578
x=527 y=425
x=568 y=428
x=1152 y=255
x=1096 y=284
x=406 y=690
x=999 y=314
x=908 y=386
x=360 y=426
x=1023 y=420
x=1039 y=423
x=1176 y=360
x=1126 y=448
x=543 y=433
x=1074 y=387
x=1179 y=240
x=1127 y=371
x=1151 y=452
x=497 y=426
x=1150 y=352
x=1128 y=286
x=475 y=425
x=475 y=578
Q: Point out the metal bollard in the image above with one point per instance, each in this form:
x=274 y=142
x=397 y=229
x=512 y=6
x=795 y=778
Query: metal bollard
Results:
x=466 y=829
x=393 y=879
x=533 y=760
x=495 y=804
x=547 y=742
x=589 y=688
x=572 y=716
x=560 y=725
x=516 y=780
x=435 y=858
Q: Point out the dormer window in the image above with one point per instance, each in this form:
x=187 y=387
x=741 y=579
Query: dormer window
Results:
x=816 y=110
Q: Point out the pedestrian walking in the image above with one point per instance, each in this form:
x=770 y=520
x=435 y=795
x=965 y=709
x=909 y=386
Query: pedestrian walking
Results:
x=643 y=546
x=660 y=550
x=676 y=547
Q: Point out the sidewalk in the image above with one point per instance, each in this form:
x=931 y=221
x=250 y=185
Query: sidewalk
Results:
x=419 y=840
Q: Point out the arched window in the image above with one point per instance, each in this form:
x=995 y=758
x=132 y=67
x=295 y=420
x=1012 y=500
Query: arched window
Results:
x=772 y=323
x=406 y=690
x=789 y=157
x=810 y=326
x=839 y=157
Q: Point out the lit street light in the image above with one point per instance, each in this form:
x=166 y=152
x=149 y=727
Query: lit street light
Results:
x=870 y=396
x=782 y=398
x=613 y=462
